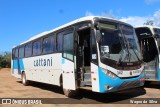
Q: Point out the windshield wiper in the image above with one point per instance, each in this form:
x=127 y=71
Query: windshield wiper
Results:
x=121 y=56
x=126 y=48
x=120 y=59
x=135 y=53
x=128 y=54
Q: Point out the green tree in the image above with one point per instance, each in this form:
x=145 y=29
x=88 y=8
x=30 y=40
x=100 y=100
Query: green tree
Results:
x=0 y=60
x=149 y=22
x=5 y=60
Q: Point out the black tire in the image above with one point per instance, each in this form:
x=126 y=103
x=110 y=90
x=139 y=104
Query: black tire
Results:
x=25 y=82
x=70 y=93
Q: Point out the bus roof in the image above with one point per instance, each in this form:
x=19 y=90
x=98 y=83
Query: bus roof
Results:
x=148 y=26
x=87 y=18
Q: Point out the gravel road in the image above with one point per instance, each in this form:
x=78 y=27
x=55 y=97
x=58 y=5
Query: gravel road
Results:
x=11 y=87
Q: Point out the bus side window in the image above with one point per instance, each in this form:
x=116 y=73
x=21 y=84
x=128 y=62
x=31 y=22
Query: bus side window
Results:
x=37 y=47
x=48 y=45
x=21 y=52
x=16 y=53
x=13 y=54
x=59 y=41
x=28 y=50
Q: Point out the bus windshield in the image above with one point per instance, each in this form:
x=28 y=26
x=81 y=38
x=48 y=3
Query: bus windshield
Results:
x=119 y=43
x=157 y=31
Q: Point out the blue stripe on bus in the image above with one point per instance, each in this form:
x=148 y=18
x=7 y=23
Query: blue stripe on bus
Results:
x=158 y=74
x=15 y=64
x=21 y=64
x=105 y=80
x=63 y=61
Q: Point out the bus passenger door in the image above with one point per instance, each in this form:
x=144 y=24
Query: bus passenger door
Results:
x=16 y=67
x=150 y=57
x=19 y=70
x=68 y=62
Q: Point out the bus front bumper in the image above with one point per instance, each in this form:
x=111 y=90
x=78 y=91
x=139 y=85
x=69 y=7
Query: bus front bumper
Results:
x=107 y=84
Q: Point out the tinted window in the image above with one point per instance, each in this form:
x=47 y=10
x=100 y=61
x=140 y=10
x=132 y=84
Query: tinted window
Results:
x=59 y=42
x=68 y=46
x=110 y=39
x=143 y=32
x=37 y=47
x=94 y=49
x=157 y=31
x=13 y=53
x=16 y=53
x=21 y=52
x=28 y=50
x=48 y=44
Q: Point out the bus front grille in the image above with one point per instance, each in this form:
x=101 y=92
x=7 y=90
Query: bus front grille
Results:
x=129 y=84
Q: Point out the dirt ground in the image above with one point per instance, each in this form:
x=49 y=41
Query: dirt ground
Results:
x=11 y=87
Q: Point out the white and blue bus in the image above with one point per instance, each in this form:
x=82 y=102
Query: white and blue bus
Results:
x=93 y=53
x=149 y=40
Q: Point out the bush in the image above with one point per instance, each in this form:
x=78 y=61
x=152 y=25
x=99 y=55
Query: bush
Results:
x=5 y=60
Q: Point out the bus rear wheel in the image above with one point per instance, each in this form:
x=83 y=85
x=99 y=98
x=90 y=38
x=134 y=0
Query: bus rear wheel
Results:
x=70 y=93
x=24 y=80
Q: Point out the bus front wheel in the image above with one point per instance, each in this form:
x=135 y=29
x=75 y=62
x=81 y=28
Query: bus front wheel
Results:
x=24 y=80
x=70 y=93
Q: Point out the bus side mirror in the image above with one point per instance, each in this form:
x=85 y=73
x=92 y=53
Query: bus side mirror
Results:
x=98 y=35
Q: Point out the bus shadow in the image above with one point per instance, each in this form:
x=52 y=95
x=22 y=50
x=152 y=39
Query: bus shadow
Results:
x=88 y=97
x=155 y=84
x=112 y=97
x=48 y=87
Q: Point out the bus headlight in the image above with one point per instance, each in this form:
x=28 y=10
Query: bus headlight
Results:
x=109 y=73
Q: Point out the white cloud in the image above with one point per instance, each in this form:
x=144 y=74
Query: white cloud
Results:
x=133 y=20
x=88 y=13
x=151 y=1
x=137 y=20
x=105 y=14
x=156 y=18
x=108 y=14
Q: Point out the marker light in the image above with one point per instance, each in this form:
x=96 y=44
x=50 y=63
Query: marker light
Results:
x=142 y=79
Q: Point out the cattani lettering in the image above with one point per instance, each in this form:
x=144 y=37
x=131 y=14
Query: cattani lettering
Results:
x=43 y=62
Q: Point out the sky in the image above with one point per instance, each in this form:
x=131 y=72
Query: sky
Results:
x=23 y=19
